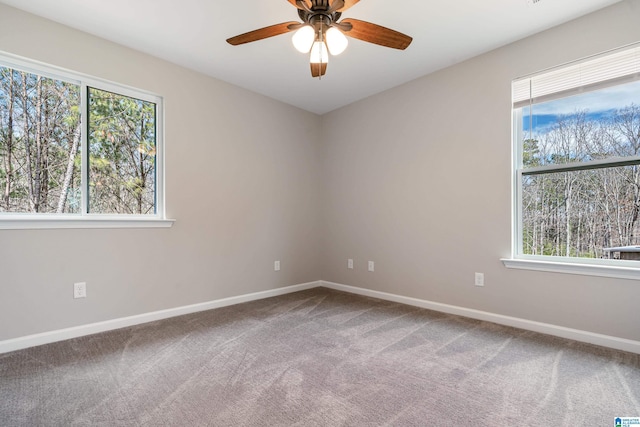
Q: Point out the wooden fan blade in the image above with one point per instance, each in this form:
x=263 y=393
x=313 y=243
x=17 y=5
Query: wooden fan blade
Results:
x=318 y=69
x=294 y=2
x=377 y=34
x=347 y=5
x=262 y=33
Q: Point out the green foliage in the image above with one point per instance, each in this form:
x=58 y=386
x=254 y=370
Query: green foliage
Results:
x=122 y=149
x=530 y=153
x=40 y=155
x=38 y=120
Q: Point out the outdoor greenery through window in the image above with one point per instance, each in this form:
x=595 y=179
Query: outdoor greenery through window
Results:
x=74 y=146
x=577 y=137
x=39 y=143
x=122 y=153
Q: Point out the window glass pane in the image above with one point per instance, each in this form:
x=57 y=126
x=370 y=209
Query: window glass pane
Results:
x=595 y=125
x=122 y=154
x=581 y=213
x=39 y=144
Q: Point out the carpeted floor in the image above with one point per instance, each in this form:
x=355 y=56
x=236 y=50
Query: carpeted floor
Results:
x=318 y=358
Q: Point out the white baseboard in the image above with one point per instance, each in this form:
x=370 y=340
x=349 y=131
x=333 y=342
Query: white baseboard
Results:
x=94 y=328
x=544 y=328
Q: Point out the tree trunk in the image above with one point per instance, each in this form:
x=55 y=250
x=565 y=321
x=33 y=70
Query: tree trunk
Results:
x=38 y=164
x=568 y=208
x=141 y=172
x=69 y=172
x=27 y=142
x=8 y=160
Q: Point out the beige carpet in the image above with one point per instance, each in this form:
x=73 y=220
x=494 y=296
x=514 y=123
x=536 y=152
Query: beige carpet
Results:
x=318 y=358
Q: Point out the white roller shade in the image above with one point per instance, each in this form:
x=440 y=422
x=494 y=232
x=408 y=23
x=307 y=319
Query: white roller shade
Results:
x=596 y=72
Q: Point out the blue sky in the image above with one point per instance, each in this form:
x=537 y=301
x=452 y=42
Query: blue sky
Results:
x=598 y=104
x=541 y=122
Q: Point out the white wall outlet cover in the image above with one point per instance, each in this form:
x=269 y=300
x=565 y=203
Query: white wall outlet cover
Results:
x=80 y=290
x=350 y=263
x=276 y=266
x=371 y=266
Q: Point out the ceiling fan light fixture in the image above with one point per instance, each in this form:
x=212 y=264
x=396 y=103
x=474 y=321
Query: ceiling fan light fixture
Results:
x=336 y=41
x=303 y=38
x=319 y=53
x=321 y=33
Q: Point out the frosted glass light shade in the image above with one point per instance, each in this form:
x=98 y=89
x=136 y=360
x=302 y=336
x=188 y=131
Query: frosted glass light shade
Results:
x=303 y=38
x=319 y=53
x=336 y=41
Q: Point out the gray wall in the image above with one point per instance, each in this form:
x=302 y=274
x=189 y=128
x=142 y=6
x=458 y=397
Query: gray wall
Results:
x=242 y=181
x=418 y=180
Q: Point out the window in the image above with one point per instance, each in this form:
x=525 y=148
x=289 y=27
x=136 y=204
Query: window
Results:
x=122 y=154
x=577 y=162
x=77 y=151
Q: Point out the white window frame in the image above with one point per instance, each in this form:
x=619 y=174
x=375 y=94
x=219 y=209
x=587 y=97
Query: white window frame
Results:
x=585 y=76
x=84 y=219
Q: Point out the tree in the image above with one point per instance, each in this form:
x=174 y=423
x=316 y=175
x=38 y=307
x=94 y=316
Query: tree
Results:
x=122 y=154
x=580 y=212
x=38 y=118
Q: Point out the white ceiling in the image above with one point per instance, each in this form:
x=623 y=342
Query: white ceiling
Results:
x=192 y=33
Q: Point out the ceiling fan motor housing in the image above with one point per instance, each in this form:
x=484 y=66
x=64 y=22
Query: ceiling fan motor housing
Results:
x=319 y=15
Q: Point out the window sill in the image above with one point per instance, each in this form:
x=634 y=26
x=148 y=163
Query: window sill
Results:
x=53 y=222
x=618 y=272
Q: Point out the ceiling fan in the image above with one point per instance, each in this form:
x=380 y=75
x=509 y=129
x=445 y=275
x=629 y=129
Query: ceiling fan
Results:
x=320 y=33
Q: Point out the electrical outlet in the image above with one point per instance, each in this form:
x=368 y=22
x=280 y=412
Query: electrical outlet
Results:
x=371 y=266
x=350 y=264
x=479 y=279
x=276 y=266
x=80 y=290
